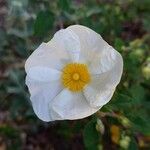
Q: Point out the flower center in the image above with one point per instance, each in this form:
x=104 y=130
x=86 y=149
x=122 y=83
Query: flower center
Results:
x=75 y=76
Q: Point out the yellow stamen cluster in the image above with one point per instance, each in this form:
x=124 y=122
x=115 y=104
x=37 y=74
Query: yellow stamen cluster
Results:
x=75 y=76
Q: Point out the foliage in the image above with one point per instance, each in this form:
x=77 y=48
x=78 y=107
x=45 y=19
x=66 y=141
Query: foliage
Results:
x=123 y=24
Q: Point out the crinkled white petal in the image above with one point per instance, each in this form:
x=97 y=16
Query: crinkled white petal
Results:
x=69 y=42
x=70 y=105
x=91 y=43
x=44 y=74
x=47 y=55
x=97 y=98
x=107 y=60
x=42 y=93
x=106 y=70
x=101 y=88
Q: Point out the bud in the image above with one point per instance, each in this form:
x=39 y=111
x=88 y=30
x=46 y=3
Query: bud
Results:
x=124 y=142
x=146 y=72
x=115 y=133
x=148 y=60
x=125 y=121
x=136 y=43
x=126 y=84
x=100 y=126
x=141 y=143
x=139 y=52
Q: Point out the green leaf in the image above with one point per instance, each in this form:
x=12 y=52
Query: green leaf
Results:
x=141 y=124
x=133 y=144
x=64 y=4
x=91 y=136
x=121 y=99
x=138 y=93
x=11 y=135
x=21 y=48
x=93 y=11
x=118 y=44
x=43 y=23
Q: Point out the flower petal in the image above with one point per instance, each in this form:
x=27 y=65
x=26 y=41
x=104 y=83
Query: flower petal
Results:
x=106 y=71
x=69 y=105
x=44 y=74
x=90 y=42
x=97 y=98
x=47 y=55
x=106 y=61
x=68 y=41
x=102 y=86
x=41 y=95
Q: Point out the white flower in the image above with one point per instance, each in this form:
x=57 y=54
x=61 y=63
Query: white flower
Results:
x=73 y=75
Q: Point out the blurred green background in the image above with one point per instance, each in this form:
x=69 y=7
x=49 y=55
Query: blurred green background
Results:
x=122 y=124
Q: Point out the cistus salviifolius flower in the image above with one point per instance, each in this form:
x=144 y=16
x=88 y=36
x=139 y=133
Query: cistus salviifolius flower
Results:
x=73 y=75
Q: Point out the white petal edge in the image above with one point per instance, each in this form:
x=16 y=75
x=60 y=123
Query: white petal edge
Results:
x=104 y=81
x=91 y=43
x=48 y=55
x=69 y=106
x=68 y=40
x=106 y=61
x=44 y=74
x=42 y=93
x=98 y=98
